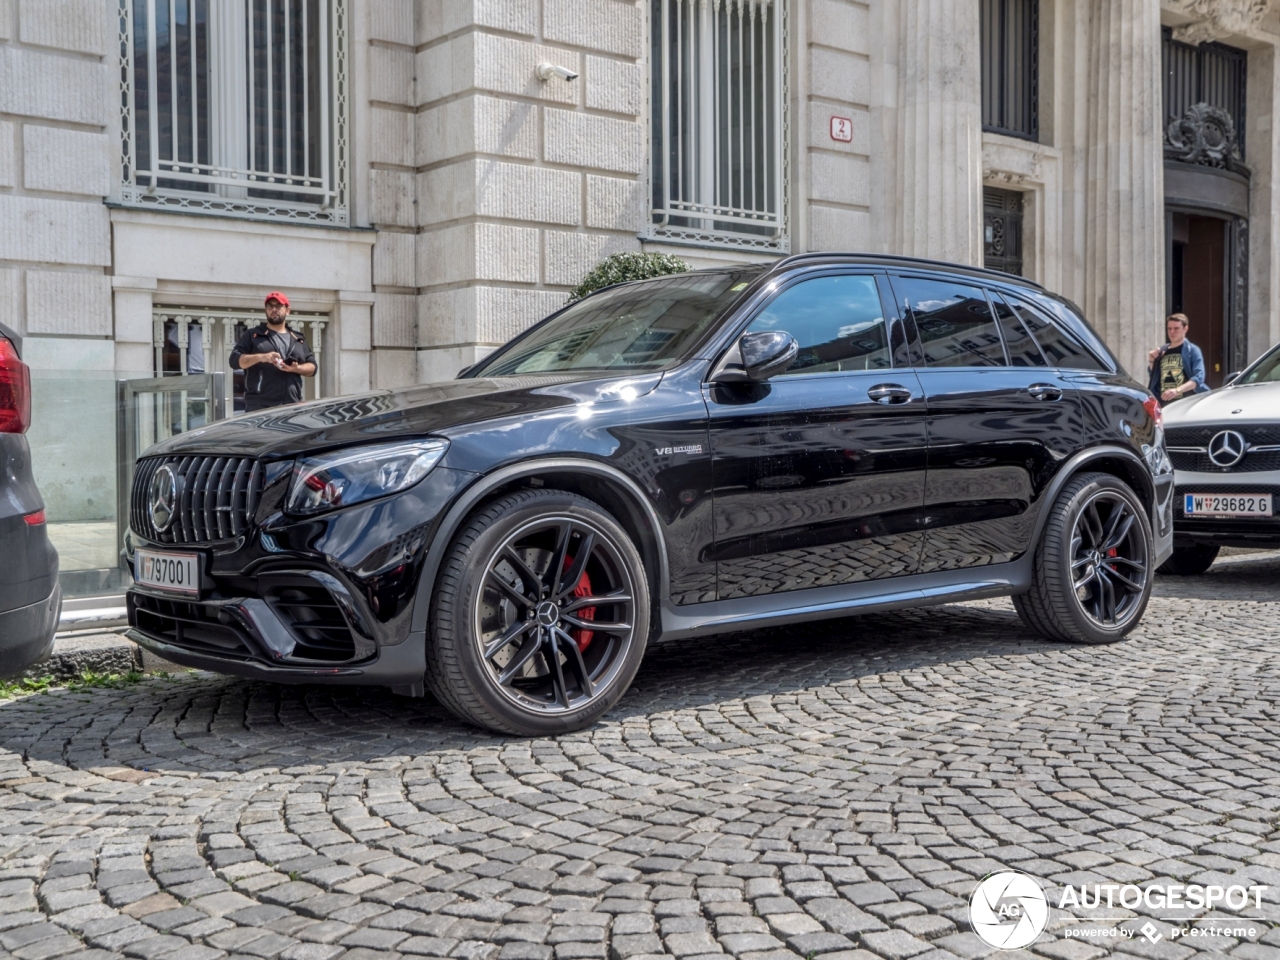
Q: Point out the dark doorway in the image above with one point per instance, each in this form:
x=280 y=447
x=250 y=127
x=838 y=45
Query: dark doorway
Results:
x=1198 y=285
x=1002 y=230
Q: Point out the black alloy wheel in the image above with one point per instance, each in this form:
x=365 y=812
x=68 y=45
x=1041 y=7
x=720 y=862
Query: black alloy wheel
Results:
x=541 y=615
x=1091 y=573
x=1109 y=569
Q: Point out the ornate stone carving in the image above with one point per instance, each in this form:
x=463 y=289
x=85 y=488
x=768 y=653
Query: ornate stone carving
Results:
x=1204 y=135
x=1215 y=19
x=1238 y=341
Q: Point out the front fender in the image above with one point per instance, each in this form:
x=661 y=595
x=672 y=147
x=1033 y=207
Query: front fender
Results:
x=480 y=490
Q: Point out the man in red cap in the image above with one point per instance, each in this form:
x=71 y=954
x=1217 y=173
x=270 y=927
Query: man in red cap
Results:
x=274 y=358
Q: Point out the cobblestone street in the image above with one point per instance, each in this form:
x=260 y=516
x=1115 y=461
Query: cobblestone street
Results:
x=828 y=791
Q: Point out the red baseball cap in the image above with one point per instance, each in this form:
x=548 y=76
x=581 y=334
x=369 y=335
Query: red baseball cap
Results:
x=277 y=295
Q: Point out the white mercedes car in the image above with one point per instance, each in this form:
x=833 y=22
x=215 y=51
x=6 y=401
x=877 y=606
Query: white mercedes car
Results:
x=1225 y=448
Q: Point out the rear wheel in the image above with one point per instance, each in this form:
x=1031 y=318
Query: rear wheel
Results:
x=1091 y=574
x=1190 y=560
x=541 y=615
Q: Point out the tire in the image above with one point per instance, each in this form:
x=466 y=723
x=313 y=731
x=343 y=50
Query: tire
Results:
x=1190 y=561
x=1082 y=560
x=513 y=648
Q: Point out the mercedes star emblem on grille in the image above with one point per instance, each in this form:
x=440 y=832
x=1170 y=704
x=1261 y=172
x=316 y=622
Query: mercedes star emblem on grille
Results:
x=1227 y=448
x=163 y=497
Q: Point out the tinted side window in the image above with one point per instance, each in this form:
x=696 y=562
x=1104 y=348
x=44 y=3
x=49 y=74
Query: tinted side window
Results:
x=955 y=323
x=838 y=322
x=1023 y=351
x=1060 y=348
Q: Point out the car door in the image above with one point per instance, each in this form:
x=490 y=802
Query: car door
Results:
x=819 y=472
x=999 y=421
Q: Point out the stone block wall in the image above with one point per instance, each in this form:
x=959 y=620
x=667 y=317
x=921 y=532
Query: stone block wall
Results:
x=55 y=167
x=833 y=75
x=519 y=185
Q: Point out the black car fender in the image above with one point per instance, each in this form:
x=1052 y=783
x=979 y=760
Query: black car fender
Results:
x=1132 y=465
x=486 y=485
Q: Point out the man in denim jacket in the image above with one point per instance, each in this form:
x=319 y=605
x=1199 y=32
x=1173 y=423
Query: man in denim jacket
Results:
x=1177 y=368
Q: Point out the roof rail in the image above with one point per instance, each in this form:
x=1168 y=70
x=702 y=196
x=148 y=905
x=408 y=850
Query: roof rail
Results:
x=884 y=259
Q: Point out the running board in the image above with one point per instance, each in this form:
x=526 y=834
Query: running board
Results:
x=818 y=603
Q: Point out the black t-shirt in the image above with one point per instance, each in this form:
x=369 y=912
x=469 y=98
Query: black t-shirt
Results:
x=264 y=385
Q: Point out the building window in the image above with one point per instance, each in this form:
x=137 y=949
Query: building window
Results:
x=1002 y=230
x=1204 y=99
x=719 y=122
x=236 y=107
x=1011 y=67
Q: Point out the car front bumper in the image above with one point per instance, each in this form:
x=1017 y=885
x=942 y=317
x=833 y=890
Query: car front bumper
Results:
x=322 y=599
x=1227 y=531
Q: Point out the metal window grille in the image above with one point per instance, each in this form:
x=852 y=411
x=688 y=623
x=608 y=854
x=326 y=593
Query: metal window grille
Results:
x=1002 y=230
x=1211 y=73
x=720 y=122
x=1011 y=67
x=200 y=340
x=236 y=107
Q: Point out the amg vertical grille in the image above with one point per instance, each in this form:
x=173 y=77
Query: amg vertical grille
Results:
x=217 y=498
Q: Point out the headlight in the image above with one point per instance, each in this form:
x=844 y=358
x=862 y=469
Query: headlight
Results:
x=352 y=476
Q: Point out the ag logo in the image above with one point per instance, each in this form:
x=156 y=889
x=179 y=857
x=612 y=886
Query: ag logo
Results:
x=1008 y=910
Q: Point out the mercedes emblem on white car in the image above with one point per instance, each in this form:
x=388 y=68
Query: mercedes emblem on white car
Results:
x=1227 y=448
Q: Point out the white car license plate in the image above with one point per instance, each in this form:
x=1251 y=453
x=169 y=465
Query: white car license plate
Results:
x=1227 y=505
x=179 y=572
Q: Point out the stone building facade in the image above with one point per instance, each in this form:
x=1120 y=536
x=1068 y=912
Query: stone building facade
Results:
x=424 y=184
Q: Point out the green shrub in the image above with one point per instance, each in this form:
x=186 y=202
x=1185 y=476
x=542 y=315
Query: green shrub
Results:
x=622 y=267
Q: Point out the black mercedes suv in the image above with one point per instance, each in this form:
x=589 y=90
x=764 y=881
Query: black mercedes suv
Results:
x=708 y=452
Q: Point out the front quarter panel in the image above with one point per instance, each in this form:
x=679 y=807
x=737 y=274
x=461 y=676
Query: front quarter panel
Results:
x=657 y=440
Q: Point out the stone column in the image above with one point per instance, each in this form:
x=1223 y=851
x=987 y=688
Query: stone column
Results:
x=939 y=163
x=134 y=331
x=1124 y=282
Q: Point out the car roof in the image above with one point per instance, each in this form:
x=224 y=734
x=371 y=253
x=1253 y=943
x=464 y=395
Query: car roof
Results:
x=901 y=262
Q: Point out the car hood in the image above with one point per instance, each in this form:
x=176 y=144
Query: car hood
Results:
x=435 y=408
x=1248 y=403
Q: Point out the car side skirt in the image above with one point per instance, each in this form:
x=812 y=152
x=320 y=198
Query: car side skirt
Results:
x=820 y=603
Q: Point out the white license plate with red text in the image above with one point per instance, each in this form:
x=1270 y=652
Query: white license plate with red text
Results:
x=1227 y=505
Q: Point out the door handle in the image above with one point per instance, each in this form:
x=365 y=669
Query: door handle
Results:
x=888 y=393
x=1044 y=391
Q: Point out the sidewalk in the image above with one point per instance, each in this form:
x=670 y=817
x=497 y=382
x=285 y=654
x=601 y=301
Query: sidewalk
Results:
x=107 y=652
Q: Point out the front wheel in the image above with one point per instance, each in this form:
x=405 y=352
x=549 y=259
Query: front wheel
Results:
x=540 y=616
x=1191 y=560
x=1091 y=573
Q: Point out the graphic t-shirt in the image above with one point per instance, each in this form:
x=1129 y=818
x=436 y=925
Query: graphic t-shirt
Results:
x=1172 y=375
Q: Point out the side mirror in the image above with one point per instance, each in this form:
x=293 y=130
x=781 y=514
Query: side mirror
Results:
x=757 y=357
x=1230 y=378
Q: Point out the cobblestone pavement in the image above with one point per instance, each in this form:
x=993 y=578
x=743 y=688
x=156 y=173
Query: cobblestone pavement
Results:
x=831 y=791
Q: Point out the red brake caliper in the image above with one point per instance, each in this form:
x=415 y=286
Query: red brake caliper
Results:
x=582 y=637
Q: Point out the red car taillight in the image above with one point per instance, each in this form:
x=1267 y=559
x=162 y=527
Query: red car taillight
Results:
x=1153 y=407
x=15 y=390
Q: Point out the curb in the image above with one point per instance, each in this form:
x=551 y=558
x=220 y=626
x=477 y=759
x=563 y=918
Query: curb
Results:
x=100 y=653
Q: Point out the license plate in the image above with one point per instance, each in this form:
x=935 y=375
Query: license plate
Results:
x=177 y=572
x=1227 y=505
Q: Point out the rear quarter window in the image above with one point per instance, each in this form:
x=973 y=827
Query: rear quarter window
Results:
x=1061 y=335
x=1070 y=324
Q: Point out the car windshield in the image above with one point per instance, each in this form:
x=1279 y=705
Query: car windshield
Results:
x=1267 y=370
x=638 y=326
